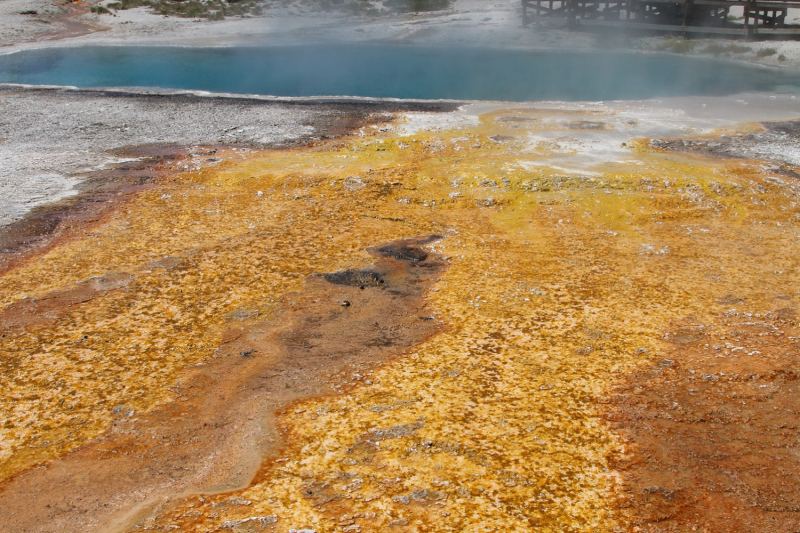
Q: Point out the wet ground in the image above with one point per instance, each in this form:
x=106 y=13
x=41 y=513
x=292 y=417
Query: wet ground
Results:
x=99 y=193
x=605 y=338
x=223 y=425
x=774 y=142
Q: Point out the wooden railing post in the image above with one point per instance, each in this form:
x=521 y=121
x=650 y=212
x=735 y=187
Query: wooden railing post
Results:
x=687 y=7
x=755 y=10
x=747 y=19
x=570 y=9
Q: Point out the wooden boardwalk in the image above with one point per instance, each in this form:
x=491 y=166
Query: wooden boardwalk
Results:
x=758 y=18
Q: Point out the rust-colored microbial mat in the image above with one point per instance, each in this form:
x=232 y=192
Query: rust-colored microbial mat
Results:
x=214 y=436
x=601 y=337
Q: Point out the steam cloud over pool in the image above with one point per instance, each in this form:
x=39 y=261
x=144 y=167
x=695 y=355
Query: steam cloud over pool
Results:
x=394 y=71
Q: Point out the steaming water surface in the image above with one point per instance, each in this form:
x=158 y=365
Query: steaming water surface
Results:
x=394 y=71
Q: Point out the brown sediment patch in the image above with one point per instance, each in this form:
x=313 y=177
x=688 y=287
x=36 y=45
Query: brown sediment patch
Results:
x=69 y=23
x=53 y=305
x=223 y=423
x=711 y=430
x=100 y=193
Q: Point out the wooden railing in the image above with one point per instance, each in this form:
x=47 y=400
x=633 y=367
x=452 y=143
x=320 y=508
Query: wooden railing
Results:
x=687 y=16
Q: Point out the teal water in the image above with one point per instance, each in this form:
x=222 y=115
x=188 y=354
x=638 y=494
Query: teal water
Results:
x=394 y=71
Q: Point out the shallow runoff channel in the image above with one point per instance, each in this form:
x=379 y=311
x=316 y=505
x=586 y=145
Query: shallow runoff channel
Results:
x=394 y=71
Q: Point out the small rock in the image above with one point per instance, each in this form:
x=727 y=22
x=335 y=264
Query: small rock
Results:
x=353 y=184
x=428 y=495
x=346 y=303
x=123 y=410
